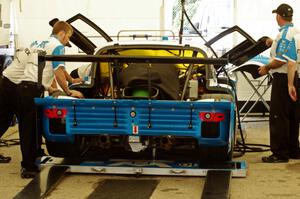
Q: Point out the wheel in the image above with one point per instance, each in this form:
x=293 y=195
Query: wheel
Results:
x=215 y=154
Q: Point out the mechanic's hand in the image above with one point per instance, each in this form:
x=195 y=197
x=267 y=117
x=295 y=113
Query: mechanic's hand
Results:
x=269 y=42
x=76 y=94
x=77 y=80
x=52 y=90
x=293 y=93
x=263 y=70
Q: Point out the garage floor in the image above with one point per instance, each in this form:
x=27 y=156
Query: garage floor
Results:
x=276 y=181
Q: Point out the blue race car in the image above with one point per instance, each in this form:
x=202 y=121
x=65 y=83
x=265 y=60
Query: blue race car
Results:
x=147 y=100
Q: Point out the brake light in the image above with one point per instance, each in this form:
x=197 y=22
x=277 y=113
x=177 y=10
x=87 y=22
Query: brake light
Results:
x=55 y=113
x=211 y=116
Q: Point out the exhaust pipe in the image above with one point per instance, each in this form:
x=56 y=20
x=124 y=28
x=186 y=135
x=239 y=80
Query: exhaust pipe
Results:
x=104 y=142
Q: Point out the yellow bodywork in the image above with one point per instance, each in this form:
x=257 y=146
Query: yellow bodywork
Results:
x=153 y=52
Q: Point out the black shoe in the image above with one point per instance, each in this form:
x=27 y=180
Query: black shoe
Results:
x=4 y=159
x=274 y=159
x=28 y=173
x=294 y=155
x=41 y=153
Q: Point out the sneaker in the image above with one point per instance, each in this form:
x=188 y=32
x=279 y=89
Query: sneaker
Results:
x=4 y=159
x=274 y=159
x=28 y=173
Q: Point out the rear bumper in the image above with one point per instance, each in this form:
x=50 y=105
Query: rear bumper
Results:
x=91 y=117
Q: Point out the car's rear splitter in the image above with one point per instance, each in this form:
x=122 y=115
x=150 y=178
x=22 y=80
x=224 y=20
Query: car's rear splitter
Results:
x=218 y=175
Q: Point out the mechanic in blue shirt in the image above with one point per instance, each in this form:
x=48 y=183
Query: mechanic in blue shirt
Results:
x=19 y=86
x=283 y=122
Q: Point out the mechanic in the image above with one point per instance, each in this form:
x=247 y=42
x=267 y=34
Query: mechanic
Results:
x=19 y=87
x=283 y=123
x=69 y=80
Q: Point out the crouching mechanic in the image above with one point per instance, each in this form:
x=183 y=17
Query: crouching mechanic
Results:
x=19 y=87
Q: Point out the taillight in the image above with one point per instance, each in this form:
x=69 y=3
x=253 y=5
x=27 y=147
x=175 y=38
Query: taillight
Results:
x=211 y=116
x=55 y=113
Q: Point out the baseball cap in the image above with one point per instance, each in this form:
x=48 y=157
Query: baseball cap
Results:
x=284 y=10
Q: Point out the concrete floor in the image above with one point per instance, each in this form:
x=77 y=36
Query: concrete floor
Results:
x=276 y=181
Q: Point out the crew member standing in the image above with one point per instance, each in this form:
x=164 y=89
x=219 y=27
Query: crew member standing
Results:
x=283 y=123
x=19 y=86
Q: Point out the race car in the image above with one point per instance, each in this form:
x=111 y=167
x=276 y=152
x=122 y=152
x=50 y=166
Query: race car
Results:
x=147 y=100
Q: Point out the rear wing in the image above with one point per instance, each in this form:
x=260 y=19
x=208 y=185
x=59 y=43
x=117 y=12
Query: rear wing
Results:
x=131 y=59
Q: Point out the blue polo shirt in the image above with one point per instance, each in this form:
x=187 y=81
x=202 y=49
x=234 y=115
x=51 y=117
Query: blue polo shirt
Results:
x=281 y=48
x=292 y=49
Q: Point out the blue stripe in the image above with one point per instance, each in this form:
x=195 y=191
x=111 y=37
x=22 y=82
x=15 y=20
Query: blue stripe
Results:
x=59 y=50
x=291 y=51
x=283 y=43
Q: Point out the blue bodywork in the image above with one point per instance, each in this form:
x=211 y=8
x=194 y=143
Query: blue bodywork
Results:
x=120 y=117
x=193 y=112
x=261 y=59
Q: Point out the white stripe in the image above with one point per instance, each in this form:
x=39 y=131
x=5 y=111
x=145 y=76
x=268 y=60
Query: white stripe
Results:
x=278 y=59
x=289 y=59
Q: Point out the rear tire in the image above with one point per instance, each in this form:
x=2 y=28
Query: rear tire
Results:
x=215 y=154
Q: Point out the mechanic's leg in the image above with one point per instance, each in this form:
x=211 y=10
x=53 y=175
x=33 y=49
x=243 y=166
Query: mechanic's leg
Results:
x=6 y=111
x=27 y=126
x=294 y=150
x=39 y=127
x=7 y=96
x=279 y=118
x=6 y=117
x=294 y=137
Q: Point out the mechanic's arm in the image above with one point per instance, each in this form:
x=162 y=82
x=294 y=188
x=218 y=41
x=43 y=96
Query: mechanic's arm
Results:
x=291 y=76
x=269 y=42
x=292 y=56
x=279 y=59
x=61 y=80
x=51 y=90
x=53 y=87
x=263 y=70
x=70 y=79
